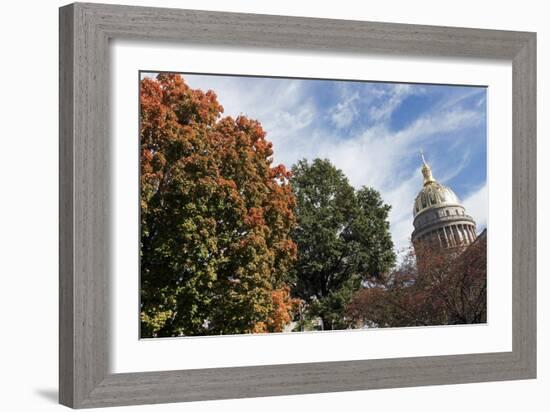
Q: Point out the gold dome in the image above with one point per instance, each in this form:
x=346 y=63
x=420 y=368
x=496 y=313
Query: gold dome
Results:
x=433 y=194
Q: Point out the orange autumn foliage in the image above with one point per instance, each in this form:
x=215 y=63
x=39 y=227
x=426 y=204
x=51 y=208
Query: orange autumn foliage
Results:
x=216 y=217
x=282 y=313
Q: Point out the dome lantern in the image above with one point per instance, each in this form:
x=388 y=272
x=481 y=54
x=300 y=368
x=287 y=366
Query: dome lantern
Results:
x=426 y=171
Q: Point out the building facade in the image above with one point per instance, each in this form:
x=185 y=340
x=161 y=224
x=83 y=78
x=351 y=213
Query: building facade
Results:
x=440 y=220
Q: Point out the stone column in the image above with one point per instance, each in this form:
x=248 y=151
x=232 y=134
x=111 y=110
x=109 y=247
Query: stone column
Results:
x=439 y=238
x=465 y=232
x=460 y=234
x=454 y=228
x=464 y=235
x=447 y=244
x=450 y=235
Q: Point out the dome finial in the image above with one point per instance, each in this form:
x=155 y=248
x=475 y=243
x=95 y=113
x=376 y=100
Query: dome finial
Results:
x=426 y=170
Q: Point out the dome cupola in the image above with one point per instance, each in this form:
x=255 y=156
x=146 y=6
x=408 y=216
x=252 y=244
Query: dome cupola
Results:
x=433 y=194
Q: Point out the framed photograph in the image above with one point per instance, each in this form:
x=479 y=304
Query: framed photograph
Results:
x=256 y=205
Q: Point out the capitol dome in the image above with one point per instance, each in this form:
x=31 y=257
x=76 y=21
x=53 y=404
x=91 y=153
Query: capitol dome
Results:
x=439 y=218
x=433 y=194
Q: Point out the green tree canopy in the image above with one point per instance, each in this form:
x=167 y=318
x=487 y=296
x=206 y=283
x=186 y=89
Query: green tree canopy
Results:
x=343 y=239
x=216 y=217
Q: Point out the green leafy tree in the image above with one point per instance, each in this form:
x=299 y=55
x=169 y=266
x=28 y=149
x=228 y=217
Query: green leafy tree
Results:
x=343 y=239
x=216 y=218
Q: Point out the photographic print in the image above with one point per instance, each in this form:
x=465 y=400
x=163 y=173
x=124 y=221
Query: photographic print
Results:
x=272 y=205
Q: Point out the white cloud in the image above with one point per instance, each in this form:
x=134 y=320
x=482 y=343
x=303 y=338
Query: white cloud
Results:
x=345 y=111
x=393 y=97
x=453 y=101
x=476 y=206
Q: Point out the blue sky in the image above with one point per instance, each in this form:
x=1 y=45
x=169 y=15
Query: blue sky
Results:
x=373 y=132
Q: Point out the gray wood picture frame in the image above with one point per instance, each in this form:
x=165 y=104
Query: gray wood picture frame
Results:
x=85 y=32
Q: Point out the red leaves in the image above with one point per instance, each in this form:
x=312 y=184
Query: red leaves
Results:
x=450 y=288
x=255 y=217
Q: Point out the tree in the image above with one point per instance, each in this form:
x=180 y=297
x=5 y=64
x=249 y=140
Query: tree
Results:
x=343 y=238
x=451 y=288
x=216 y=217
